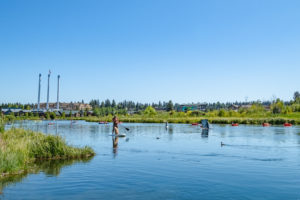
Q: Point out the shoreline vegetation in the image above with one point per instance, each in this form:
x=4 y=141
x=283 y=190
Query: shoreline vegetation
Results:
x=276 y=112
x=272 y=120
x=214 y=117
x=20 y=150
x=190 y=120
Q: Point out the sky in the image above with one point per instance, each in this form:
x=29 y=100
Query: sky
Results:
x=185 y=51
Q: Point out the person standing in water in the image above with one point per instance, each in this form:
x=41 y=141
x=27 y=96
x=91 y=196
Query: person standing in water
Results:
x=115 y=125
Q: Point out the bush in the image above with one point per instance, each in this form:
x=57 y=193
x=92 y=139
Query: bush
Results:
x=222 y=113
x=52 y=115
x=47 y=115
x=150 y=111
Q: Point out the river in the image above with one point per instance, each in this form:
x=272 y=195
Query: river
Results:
x=152 y=162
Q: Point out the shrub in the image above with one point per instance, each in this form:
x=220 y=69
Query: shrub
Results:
x=150 y=111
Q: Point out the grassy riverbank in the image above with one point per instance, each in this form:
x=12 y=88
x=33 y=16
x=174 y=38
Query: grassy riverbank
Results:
x=293 y=118
x=253 y=115
x=187 y=118
x=19 y=149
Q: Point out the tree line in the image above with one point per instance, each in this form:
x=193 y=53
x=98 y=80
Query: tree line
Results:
x=105 y=107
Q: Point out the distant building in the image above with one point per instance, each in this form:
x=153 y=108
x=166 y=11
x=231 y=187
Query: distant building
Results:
x=7 y=111
x=192 y=107
x=234 y=107
x=67 y=106
x=247 y=106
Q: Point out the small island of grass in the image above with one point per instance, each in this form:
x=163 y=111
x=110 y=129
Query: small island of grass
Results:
x=19 y=149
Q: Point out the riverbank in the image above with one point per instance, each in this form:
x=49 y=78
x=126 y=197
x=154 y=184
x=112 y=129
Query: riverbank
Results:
x=190 y=117
x=189 y=120
x=20 y=149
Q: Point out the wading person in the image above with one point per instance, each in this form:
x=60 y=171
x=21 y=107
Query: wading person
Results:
x=115 y=125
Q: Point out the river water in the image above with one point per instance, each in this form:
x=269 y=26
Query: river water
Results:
x=153 y=162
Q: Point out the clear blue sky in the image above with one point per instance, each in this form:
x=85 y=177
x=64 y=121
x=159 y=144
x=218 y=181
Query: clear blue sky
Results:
x=150 y=50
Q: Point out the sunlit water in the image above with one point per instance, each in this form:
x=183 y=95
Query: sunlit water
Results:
x=176 y=163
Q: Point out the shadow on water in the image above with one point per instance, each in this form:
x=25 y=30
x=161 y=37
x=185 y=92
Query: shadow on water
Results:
x=49 y=167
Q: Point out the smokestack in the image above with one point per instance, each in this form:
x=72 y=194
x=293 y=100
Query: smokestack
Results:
x=47 y=106
x=57 y=104
x=39 y=93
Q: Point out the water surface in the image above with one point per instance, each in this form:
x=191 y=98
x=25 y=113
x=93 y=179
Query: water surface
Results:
x=181 y=162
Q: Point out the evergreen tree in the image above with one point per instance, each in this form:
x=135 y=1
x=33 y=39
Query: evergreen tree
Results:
x=170 y=106
x=107 y=103
x=113 y=104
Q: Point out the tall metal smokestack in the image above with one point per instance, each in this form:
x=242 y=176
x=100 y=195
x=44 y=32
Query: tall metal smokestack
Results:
x=39 y=93
x=47 y=106
x=57 y=104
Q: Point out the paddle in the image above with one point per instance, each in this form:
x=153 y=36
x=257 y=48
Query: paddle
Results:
x=127 y=129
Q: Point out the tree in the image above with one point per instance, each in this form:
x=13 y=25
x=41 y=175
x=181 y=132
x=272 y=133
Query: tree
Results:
x=222 y=113
x=277 y=106
x=63 y=115
x=113 y=104
x=96 y=111
x=150 y=111
x=170 y=106
x=107 y=103
x=52 y=115
x=297 y=97
x=47 y=115
x=160 y=105
x=94 y=103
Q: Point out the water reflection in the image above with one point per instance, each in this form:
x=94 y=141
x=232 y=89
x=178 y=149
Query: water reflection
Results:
x=49 y=167
x=170 y=130
x=204 y=133
x=115 y=141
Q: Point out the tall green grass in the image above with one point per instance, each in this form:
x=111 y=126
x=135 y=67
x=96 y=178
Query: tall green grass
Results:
x=275 y=120
x=19 y=148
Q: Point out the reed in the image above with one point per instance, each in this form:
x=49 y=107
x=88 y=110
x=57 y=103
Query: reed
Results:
x=275 y=120
x=19 y=148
